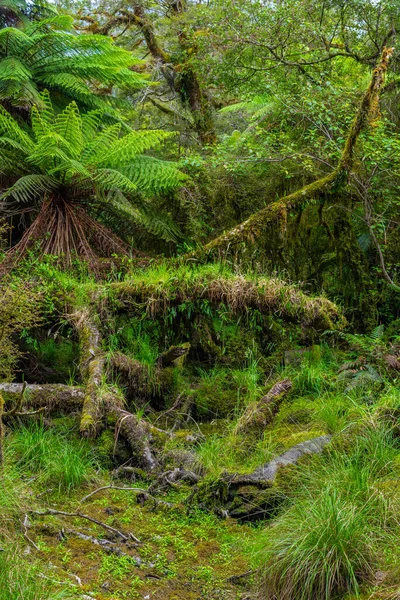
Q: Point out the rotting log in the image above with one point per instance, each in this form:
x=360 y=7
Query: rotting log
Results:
x=266 y=474
x=142 y=381
x=253 y=227
x=91 y=366
x=260 y=414
x=237 y=293
x=52 y=396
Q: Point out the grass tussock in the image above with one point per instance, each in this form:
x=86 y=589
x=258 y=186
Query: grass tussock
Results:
x=344 y=514
x=22 y=580
x=53 y=457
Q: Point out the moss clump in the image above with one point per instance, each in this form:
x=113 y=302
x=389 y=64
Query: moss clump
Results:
x=216 y=395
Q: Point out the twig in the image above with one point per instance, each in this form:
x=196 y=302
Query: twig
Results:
x=52 y=511
x=26 y=536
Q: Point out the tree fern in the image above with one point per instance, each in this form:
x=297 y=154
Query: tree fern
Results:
x=47 y=54
x=67 y=164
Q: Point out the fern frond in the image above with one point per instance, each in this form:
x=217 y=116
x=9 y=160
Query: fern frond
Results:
x=107 y=179
x=68 y=125
x=124 y=150
x=10 y=128
x=56 y=22
x=154 y=222
x=14 y=42
x=97 y=150
x=153 y=175
x=30 y=187
x=377 y=333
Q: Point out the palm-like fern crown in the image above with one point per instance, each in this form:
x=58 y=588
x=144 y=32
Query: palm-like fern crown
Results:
x=15 y=11
x=67 y=162
x=47 y=54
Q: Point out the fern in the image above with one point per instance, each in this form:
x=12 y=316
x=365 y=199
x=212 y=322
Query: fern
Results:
x=69 y=162
x=47 y=54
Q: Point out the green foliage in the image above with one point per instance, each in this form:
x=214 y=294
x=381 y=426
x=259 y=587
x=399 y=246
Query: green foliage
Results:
x=21 y=580
x=19 y=310
x=48 y=54
x=328 y=542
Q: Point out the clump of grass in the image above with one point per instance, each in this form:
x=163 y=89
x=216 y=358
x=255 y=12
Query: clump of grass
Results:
x=321 y=548
x=330 y=540
x=20 y=580
x=233 y=453
x=59 y=460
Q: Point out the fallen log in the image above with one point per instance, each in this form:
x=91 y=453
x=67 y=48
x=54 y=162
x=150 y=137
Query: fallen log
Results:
x=144 y=382
x=51 y=396
x=265 y=474
x=91 y=366
x=257 y=495
x=136 y=432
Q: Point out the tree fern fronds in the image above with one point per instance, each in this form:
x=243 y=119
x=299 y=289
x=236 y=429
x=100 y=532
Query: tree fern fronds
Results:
x=10 y=128
x=30 y=187
x=131 y=145
x=158 y=224
x=153 y=175
x=90 y=123
x=14 y=68
x=69 y=83
x=6 y=142
x=57 y=22
x=46 y=54
x=110 y=178
x=19 y=93
x=68 y=125
x=69 y=164
x=13 y=41
x=97 y=150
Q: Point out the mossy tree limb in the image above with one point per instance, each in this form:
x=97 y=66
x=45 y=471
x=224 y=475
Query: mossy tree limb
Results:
x=260 y=414
x=91 y=366
x=253 y=227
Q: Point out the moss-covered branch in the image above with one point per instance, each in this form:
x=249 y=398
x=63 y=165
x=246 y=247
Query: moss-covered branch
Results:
x=254 y=226
x=92 y=368
x=175 y=287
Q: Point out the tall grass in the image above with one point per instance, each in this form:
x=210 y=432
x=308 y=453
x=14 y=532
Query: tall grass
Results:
x=55 y=459
x=22 y=580
x=330 y=540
